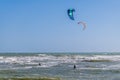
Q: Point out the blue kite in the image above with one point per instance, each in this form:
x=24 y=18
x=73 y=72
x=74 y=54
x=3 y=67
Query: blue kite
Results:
x=70 y=13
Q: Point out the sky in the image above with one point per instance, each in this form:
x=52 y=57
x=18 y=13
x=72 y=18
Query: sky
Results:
x=44 y=26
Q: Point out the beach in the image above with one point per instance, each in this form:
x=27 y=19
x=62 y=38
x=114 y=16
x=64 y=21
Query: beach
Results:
x=60 y=66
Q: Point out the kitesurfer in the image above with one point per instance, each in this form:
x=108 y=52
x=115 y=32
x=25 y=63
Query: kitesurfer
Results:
x=74 y=66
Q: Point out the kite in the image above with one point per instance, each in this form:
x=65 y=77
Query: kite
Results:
x=84 y=24
x=70 y=13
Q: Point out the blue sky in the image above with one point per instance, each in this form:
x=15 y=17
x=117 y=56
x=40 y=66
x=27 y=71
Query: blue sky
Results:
x=44 y=26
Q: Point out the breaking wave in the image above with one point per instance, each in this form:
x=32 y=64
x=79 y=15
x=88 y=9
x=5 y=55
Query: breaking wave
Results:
x=50 y=60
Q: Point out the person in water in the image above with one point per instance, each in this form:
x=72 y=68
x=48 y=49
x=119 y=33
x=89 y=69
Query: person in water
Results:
x=39 y=64
x=74 y=66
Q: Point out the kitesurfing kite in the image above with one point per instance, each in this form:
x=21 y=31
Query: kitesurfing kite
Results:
x=84 y=24
x=70 y=13
x=71 y=16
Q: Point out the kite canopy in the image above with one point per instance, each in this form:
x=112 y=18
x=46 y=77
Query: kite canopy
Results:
x=84 y=24
x=70 y=13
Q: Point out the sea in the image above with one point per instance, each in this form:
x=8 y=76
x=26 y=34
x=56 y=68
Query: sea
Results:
x=89 y=66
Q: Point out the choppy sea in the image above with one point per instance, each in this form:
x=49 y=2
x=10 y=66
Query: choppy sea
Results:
x=89 y=66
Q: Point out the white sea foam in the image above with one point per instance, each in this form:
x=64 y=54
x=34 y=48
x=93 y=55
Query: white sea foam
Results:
x=53 y=60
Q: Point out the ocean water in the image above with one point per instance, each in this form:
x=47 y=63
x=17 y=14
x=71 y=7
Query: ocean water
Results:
x=89 y=66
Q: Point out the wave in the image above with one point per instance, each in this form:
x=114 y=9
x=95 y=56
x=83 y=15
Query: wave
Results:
x=49 y=60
